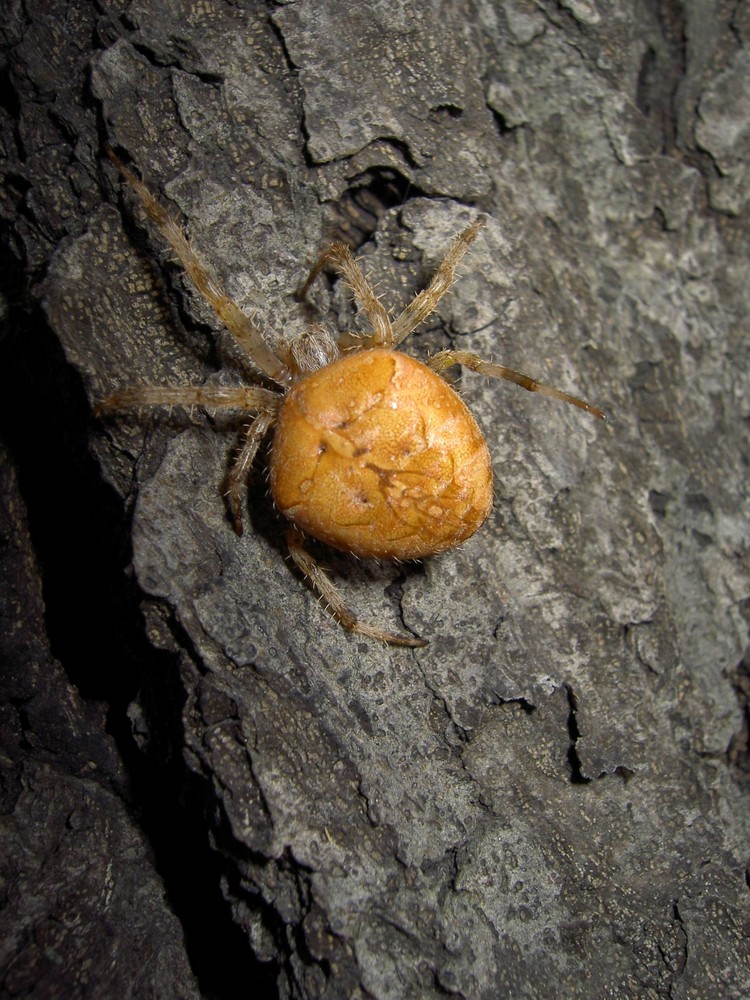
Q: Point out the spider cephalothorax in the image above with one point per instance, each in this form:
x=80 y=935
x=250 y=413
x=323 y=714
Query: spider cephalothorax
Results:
x=373 y=452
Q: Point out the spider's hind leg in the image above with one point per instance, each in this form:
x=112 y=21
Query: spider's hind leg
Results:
x=330 y=594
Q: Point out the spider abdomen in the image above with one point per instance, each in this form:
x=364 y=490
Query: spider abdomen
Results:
x=375 y=454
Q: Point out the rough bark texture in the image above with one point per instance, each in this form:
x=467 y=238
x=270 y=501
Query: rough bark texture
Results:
x=550 y=799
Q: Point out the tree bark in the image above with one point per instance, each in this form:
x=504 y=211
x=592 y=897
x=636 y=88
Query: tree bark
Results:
x=551 y=798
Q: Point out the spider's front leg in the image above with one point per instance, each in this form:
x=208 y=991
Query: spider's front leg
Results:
x=444 y=359
x=340 y=256
x=425 y=302
x=330 y=594
x=242 y=328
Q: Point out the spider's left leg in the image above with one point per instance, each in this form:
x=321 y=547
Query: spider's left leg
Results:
x=215 y=398
x=444 y=359
x=251 y=437
x=209 y=397
x=344 y=615
x=426 y=301
x=340 y=256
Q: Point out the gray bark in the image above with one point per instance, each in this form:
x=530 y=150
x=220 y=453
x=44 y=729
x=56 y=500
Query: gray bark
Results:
x=551 y=798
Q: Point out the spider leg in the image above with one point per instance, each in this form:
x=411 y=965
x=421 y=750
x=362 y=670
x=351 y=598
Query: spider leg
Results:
x=340 y=256
x=330 y=594
x=212 y=397
x=425 y=302
x=251 y=437
x=242 y=328
x=444 y=359
x=246 y=398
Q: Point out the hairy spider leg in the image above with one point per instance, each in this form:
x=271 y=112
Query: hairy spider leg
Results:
x=250 y=438
x=425 y=302
x=340 y=256
x=211 y=397
x=245 y=332
x=330 y=594
x=217 y=398
x=444 y=359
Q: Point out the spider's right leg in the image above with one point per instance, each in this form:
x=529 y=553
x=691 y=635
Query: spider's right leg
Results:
x=341 y=257
x=444 y=359
x=344 y=615
x=425 y=302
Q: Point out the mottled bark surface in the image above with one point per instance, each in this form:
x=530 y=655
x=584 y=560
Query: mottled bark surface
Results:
x=207 y=782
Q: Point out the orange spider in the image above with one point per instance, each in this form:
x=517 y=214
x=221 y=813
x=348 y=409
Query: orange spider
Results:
x=373 y=452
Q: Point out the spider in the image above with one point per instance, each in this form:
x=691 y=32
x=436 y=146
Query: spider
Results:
x=373 y=452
